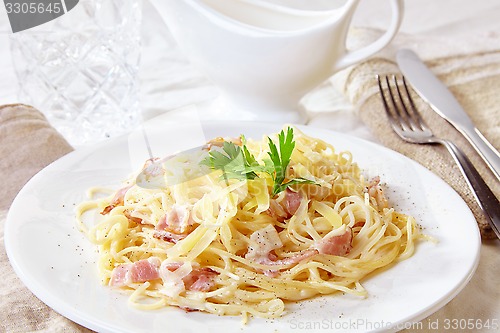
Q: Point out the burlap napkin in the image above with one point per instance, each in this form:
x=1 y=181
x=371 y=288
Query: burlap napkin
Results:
x=28 y=143
x=473 y=77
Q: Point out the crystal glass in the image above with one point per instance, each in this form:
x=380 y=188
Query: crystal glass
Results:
x=81 y=70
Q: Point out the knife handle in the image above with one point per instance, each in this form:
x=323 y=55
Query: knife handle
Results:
x=483 y=194
x=485 y=149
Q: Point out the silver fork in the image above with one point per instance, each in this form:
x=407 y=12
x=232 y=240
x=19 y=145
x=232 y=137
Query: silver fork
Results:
x=409 y=125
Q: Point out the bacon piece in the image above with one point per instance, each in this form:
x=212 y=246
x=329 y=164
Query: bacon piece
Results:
x=296 y=258
x=188 y=309
x=292 y=201
x=376 y=191
x=107 y=209
x=177 y=221
x=140 y=271
x=119 y=276
x=219 y=142
x=174 y=225
x=172 y=266
x=162 y=223
x=168 y=236
x=134 y=219
x=152 y=168
x=200 y=279
x=152 y=174
x=117 y=200
x=144 y=270
x=268 y=240
x=272 y=259
x=276 y=211
x=338 y=245
x=359 y=224
x=288 y=207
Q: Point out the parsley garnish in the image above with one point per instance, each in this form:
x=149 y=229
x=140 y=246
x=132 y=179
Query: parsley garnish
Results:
x=238 y=163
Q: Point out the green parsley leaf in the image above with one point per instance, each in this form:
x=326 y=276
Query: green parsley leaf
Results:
x=232 y=161
x=281 y=158
x=238 y=163
x=282 y=187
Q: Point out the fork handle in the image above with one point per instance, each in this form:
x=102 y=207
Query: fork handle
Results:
x=483 y=194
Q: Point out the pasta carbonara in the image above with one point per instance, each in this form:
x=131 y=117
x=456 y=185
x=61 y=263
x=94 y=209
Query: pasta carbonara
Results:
x=246 y=245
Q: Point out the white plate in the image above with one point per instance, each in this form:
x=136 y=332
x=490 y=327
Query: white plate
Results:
x=58 y=265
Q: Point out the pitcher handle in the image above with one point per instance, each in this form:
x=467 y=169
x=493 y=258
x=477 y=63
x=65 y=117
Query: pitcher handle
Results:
x=355 y=56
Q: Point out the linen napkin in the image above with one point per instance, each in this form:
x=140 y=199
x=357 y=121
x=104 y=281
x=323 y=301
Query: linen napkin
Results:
x=470 y=69
x=27 y=144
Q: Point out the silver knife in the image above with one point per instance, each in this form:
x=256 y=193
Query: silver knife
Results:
x=434 y=92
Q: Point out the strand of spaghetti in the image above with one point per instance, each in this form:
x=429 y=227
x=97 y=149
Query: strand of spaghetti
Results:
x=80 y=210
x=410 y=245
x=139 y=293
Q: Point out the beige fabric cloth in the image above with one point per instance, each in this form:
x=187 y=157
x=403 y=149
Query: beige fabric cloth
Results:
x=473 y=77
x=28 y=143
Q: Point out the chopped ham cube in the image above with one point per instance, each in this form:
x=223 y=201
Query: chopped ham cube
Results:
x=338 y=245
x=120 y=277
x=177 y=221
x=117 y=200
x=168 y=236
x=152 y=168
x=140 y=271
x=376 y=191
x=276 y=211
x=288 y=207
x=145 y=270
x=200 y=279
x=174 y=225
x=177 y=277
x=162 y=223
x=292 y=201
x=268 y=240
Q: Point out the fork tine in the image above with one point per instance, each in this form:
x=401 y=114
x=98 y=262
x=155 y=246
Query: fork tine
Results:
x=417 y=118
x=390 y=115
x=399 y=114
x=404 y=111
x=384 y=100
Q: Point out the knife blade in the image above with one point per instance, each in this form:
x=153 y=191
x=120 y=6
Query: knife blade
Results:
x=437 y=95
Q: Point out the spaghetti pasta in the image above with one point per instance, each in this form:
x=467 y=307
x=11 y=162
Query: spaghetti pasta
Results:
x=230 y=247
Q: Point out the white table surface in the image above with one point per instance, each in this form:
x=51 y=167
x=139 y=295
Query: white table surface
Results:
x=168 y=82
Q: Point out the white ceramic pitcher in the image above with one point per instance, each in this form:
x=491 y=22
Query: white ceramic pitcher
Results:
x=266 y=57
